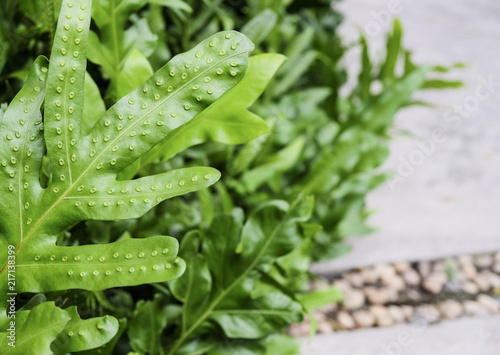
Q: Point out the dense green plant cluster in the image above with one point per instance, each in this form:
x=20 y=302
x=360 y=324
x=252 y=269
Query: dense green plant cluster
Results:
x=97 y=158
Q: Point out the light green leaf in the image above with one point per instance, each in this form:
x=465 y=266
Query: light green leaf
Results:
x=80 y=335
x=227 y=120
x=43 y=13
x=258 y=317
x=84 y=168
x=300 y=58
x=277 y=163
x=442 y=84
x=35 y=334
x=365 y=75
x=173 y=4
x=380 y=114
x=115 y=42
x=100 y=266
x=105 y=12
x=271 y=232
x=136 y=70
x=259 y=27
x=93 y=104
x=108 y=348
x=393 y=47
x=147 y=324
x=316 y=299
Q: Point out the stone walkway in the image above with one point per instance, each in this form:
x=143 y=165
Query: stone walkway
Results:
x=388 y=294
x=466 y=336
x=446 y=199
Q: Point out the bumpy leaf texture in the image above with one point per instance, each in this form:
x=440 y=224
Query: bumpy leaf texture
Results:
x=84 y=166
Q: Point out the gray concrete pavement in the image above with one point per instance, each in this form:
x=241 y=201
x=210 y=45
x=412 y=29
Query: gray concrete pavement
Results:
x=465 y=336
x=446 y=199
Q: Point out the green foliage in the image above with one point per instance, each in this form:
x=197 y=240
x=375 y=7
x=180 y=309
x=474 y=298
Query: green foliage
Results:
x=92 y=156
x=154 y=314
x=226 y=121
x=24 y=32
x=83 y=169
x=114 y=49
x=46 y=321
x=48 y=329
x=80 y=335
x=228 y=294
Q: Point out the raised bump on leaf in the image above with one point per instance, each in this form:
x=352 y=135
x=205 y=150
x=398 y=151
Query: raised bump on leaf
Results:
x=21 y=151
x=97 y=267
x=64 y=98
x=93 y=333
x=45 y=321
x=177 y=101
x=84 y=166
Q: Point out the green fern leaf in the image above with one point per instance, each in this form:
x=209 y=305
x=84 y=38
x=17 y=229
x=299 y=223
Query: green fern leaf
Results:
x=84 y=167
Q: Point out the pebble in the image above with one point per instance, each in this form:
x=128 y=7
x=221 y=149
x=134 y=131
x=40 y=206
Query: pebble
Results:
x=438 y=266
x=319 y=316
x=470 y=287
x=329 y=308
x=428 y=312
x=325 y=327
x=424 y=268
x=384 y=271
x=386 y=283
x=402 y=267
x=484 y=261
x=354 y=278
x=489 y=303
x=413 y=295
x=369 y=275
x=469 y=270
x=354 y=299
x=453 y=286
x=493 y=279
x=465 y=259
x=319 y=284
x=300 y=329
x=342 y=285
x=380 y=295
x=408 y=311
x=412 y=278
x=395 y=282
x=396 y=313
x=382 y=316
x=345 y=320
x=451 y=309
x=474 y=308
x=363 y=318
x=435 y=282
x=482 y=282
x=496 y=267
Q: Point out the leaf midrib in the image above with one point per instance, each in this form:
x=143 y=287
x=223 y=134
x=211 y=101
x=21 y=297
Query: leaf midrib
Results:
x=223 y=294
x=44 y=329
x=71 y=186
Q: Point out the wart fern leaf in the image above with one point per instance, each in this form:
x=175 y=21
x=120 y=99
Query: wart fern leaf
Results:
x=84 y=167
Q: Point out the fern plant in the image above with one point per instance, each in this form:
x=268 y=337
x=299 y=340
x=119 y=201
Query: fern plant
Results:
x=83 y=176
